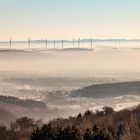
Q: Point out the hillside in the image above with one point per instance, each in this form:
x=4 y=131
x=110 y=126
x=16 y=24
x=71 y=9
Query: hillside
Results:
x=101 y=125
x=108 y=90
x=12 y=108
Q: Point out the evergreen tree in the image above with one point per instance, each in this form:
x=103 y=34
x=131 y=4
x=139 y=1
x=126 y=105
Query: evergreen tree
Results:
x=36 y=135
x=95 y=132
x=95 y=129
x=87 y=135
x=121 y=131
x=47 y=132
x=112 y=130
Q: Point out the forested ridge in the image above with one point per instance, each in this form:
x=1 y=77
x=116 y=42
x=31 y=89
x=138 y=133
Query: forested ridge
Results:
x=100 y=125
x=24 y=103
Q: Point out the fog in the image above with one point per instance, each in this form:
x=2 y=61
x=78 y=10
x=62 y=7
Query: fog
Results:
x=49 y=75
x=71 y=62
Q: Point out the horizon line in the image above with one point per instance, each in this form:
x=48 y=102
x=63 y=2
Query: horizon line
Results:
x=71 y=40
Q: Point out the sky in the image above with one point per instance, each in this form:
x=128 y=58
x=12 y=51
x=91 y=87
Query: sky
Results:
x=66 y=19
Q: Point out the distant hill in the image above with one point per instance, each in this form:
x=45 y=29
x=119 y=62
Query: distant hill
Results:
x=6 y=116
x=76 y=40
x=23 y=103
x=75 y=49
x=110 y=89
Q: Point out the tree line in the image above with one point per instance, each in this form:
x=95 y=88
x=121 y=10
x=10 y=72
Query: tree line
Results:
x=100 y=125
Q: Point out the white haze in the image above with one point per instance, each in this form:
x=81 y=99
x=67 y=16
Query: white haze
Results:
x=50 y=75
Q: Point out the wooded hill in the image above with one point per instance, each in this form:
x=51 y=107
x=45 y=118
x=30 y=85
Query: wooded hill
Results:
x=101 y=125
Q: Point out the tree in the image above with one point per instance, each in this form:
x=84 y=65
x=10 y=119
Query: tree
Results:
x=103 y=134
x=79 y=116
x=112 y=131
x=120 y=131
x=47 y=132
x=88 y=113
x=76 y=134
x=22 y=123
x=36 y=135
x=87 y=135
x=108 y=110
x=95 y=129
x=2 y=128
x=139 y=124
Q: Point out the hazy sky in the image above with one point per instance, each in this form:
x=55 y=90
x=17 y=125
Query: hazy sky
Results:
x=58 y=19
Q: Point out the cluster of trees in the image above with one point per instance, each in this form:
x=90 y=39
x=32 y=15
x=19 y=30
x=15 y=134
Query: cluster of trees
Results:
x=70 y=133
x=21 y=129
x=102 y=125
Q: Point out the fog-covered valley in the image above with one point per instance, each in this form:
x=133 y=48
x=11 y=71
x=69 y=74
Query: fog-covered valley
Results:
x=69 y=81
